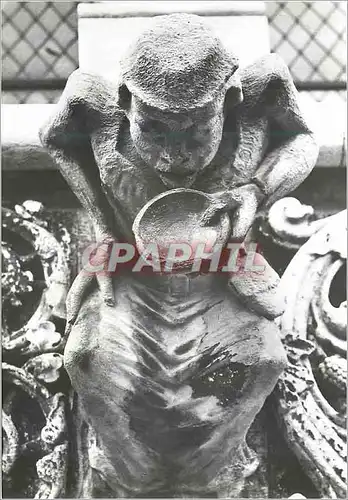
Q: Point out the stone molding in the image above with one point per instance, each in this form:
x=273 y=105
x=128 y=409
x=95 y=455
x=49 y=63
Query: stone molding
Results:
x=107 y=29
x=22 y=150
x=149 y=9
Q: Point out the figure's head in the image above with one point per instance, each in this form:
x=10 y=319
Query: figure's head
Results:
x=173 y=88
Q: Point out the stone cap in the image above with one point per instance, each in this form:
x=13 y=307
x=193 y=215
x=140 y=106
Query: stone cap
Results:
x=176 y=54
x=149 y=9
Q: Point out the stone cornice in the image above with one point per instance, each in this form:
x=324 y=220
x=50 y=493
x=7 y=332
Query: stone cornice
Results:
x=149 y=9
x=22 y=150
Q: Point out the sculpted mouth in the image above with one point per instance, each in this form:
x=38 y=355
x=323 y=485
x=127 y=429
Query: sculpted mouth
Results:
x=176 y=175
x=177 y=178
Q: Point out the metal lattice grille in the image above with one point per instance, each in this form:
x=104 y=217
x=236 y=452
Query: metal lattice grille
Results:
x=39 y=40
x=40 y=46
x=310 y=36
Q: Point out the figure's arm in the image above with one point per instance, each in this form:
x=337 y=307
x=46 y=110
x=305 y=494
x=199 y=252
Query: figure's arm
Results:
x=67 y=137
x=269 y=93
x=295 y=151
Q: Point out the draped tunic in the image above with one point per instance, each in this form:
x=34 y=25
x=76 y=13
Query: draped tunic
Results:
x=171 y=378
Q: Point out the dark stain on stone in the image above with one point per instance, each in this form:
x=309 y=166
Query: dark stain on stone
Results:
x=226 y=383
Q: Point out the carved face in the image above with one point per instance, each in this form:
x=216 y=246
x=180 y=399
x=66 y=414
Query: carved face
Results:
x=177 y=145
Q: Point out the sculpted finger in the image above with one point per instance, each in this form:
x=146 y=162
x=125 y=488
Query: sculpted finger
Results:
x=242 y=220
x=212 y=212
x=106 y=289
x=75 y=295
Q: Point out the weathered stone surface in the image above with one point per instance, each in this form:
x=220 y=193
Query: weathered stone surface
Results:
x=35 y=280
x=22 y=149
x=311 y=393
x=186 y=397
x=183 y=370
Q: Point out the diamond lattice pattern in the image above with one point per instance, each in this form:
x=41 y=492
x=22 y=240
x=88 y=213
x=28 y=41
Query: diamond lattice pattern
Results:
x=39 y=42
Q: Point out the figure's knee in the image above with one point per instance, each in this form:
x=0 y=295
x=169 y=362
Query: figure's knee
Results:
x=272 y=359
x=260 y=291
x=269 y=358
x=79 y=350
x=272 y=365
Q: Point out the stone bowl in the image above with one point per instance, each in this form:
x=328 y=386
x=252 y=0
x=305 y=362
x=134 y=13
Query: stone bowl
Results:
x=175 y=217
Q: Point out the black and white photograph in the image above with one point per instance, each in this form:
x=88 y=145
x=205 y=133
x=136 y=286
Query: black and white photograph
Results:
x=174 y=246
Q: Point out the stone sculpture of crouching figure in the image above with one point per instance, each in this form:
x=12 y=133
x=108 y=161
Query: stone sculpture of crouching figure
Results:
x=172 y=382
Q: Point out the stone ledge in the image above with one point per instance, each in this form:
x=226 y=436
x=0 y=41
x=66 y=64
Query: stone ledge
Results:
x=21 y=146
x=149 y=9
x=107 y=29
x=22 y=150
x=329 y=124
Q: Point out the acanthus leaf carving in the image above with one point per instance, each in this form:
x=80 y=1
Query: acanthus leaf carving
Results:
x=35 y=278
x=313 y=332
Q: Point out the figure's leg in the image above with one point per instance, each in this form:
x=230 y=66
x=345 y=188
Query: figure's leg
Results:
x=261 y=378
x=242 y=377
x=101 y=359
x=258 y=289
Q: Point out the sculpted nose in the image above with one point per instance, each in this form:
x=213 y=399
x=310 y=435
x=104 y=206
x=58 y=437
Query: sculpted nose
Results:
x=173 y=161
x=175 y=145
x=175 y=153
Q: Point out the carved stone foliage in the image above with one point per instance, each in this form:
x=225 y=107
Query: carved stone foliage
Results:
x=289 y=223
x=47 y=452
x=311 y=393
x=284 y=228
x=35 y=280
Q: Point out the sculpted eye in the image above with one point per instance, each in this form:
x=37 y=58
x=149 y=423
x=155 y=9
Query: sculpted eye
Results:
x=159 y=139
x=202 y=132
x=144 y=126
x=148 y=126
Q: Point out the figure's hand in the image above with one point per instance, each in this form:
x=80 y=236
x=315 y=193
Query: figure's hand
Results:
x=85 y=279
x=104 y=280
x=243 y=201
